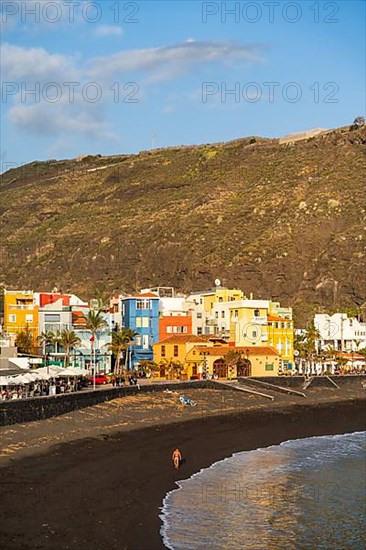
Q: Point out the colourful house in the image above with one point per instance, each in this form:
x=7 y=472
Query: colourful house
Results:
x=212 y=360
x=175 y=349
x=174 y=324
x=20 y=313
x=281 y=338
x=140 y=313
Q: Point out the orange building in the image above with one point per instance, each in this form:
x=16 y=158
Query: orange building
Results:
x=174 y=324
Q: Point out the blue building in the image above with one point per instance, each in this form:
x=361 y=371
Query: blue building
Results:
x=141 y=314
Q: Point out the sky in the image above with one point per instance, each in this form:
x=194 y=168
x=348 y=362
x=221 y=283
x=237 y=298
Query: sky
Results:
x=116 y=77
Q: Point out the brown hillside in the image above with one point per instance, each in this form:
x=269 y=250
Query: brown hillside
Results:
x=285 y=221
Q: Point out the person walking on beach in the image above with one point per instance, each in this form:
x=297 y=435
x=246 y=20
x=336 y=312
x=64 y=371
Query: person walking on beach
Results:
x=176 y=457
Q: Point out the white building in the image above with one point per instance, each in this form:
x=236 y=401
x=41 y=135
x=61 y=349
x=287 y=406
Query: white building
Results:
x=340 y=332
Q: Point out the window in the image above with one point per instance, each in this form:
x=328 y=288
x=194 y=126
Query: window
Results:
x=137 y=340
x=256 y=313
x=12 y=318
x=176 y=351
x=276 y=325
x=145 y=322
x=169 y=330
x=269 y=366
x=142 y=304
x=163 y=351
x=283 y=325
x=185 y=329
x=223 y=314
x=145 y=341
x=199 y=315
x=220 y=299
x=199 y=331
x=29 y=318
x=254 y=334
x=52 y=318
x=139 y=322
x=216 y=314
x=236 y=313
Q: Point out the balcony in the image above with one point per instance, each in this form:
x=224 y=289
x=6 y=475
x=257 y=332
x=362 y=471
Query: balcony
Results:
x=19 y=307
x=259 y=320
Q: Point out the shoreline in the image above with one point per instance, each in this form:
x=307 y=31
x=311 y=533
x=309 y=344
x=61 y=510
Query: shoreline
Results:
x=108 y=491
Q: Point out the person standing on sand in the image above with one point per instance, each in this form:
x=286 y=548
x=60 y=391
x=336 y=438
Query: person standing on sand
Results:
x=177 y=458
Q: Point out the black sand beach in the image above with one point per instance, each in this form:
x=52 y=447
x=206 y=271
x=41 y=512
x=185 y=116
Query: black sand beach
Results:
x=105 y=491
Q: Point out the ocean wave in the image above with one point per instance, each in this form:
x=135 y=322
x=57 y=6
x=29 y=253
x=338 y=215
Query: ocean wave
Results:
x=265 y=494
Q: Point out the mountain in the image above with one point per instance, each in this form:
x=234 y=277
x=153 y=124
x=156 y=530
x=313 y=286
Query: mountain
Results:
x=279 y=218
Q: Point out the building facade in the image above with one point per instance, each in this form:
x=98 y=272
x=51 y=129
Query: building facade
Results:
x=140 y=314
x=340 y=332
x=20 y=313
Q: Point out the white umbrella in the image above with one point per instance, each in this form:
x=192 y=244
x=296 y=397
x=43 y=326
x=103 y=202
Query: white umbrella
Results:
x=81 y=372
x=17 y=380
x=53 y=370
x=68 y=372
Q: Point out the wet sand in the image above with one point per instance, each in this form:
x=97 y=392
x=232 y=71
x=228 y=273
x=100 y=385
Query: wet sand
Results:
x=95 y=479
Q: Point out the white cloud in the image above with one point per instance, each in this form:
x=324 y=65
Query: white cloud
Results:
x=22 y=63
x=30 y=66
x=170 y=61
x=108 y=30
x=60 y=118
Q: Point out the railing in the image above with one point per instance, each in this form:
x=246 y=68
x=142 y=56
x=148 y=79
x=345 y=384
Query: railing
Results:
x=21 y=307
x=259 y=320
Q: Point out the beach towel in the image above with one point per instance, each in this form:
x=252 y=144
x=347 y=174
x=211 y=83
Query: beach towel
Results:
x=186 y=401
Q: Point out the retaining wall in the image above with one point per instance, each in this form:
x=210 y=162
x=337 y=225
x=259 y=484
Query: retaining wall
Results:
x=39 y=408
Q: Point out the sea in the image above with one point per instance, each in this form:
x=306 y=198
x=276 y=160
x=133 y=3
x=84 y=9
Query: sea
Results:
x=302 y=494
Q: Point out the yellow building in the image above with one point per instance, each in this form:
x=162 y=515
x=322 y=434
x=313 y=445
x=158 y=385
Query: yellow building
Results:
x=248 y=322
x=213 y=360
x=175 y=349
x=20 y=312
x=219 y=295
x=281 y=338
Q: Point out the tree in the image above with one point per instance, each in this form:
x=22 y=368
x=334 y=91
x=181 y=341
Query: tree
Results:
x=312 y=338
x=94 y=321
x=121 y=340
x=148 y=367
x=24 y=340
x=299 y=347
x=232 y=358
x=68 y=340
x=173 y=367
x=47 y=338
x=359 y=122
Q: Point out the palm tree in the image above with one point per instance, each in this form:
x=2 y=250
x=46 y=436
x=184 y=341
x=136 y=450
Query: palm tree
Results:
x=24 y=340
x=312 y=338
x=68 y=340
x=47 y=338
x=148 y=367
x=94 y=322
x=121 y=340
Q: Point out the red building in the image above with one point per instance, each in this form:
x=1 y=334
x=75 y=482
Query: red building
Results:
x=174 y=324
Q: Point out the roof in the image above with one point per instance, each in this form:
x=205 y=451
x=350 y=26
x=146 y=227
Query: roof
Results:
x=141 y=296
x=78 y=318
x=213 y=337
x=276 y=318
x=223 y=350
x=182 y=339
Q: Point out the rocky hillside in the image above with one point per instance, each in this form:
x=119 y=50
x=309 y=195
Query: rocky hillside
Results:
x=280 y=220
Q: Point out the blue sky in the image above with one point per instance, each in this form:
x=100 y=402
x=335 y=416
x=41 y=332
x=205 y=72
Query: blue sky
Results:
x=118 y=77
